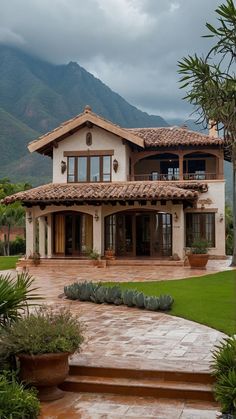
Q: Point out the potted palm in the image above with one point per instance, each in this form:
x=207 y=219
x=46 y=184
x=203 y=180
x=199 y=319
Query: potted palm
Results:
x=43 y=342
x=198 y=256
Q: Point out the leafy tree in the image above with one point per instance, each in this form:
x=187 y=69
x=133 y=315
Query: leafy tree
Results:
x=211 y=85
x=13 y=214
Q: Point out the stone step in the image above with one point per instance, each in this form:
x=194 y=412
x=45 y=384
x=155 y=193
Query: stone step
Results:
x=158 y=384
x=144 y=262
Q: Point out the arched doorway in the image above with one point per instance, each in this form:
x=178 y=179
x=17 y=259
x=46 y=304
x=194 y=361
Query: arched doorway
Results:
x=139 y=233
x=72 y=233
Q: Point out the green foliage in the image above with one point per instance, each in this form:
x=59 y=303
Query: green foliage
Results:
x=224 y=368
x=152 y=303
x=229 y=230
x=200 y=247
x=17 y=402
x=92 y=254
x=128 y=297
x=139 y=299
x=114 y=295
x=165 y=302
x=45 y=331
x=16 y=295
x=98 y=293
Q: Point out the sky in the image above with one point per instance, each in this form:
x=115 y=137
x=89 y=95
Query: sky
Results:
x=133 y=46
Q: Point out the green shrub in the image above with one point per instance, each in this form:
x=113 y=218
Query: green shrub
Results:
x=45 y=331
x=17 y=246
x=224 y=369
x=80 y=291
x=152 y=303
x=128 y=297
x=16 y=295
x=98 y=295
x=165 y=302
x=114 y=295
x=17 y=402
x=139 y=300
x=200 y=246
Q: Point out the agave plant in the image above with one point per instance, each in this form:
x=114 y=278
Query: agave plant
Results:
x=16 y=295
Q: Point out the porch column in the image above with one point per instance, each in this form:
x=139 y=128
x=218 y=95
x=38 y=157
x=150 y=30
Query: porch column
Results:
x=49 y=235
x=220 y=168
x=178 y=230
x=30 y=228
x=98 y=230
x=181 y=166
x=42 y=240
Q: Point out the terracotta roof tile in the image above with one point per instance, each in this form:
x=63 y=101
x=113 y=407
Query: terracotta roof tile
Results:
x=174 y=136
x=79 y=192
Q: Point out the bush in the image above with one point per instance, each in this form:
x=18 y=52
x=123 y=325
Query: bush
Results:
x=99 y=293
x=200 y=246
x=15 y=297
x=17 y=402
x=224 y=369
x=45 y=331
x=18 y=246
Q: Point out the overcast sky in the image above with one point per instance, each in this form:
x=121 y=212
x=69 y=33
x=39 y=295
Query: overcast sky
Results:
x=131 y=45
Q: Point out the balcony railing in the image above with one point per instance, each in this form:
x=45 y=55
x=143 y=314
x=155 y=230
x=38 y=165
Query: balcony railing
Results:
x=163 y=177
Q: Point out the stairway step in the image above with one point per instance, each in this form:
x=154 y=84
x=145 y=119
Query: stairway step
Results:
x=177 y=376
x=139 y=387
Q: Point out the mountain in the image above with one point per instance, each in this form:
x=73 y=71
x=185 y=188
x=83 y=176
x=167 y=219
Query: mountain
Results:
x=191 y=124
x=36 y=96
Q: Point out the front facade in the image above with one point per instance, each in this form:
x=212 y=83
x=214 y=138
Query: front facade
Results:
x=142 y=192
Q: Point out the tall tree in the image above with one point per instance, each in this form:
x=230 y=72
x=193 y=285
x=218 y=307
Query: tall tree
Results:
x=11 y=215
x=211 y=85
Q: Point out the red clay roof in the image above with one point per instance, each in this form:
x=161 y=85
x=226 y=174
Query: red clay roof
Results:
x=174 y=136
x=80 y=192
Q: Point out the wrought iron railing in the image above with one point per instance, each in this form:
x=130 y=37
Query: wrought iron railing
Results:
x=163 y=177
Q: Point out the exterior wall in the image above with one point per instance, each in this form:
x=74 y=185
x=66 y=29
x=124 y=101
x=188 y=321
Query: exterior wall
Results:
x=101 y=140
x=214 y=201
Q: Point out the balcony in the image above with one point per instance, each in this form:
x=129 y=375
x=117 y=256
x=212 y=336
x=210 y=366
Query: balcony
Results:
x=167 y=177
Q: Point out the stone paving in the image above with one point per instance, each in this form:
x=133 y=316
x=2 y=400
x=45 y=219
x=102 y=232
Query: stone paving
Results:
x=97 y=406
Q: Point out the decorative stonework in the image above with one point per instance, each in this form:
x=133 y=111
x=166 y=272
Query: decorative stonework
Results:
x=89 y=139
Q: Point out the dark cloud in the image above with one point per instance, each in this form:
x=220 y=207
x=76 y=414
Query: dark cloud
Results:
x=131 y=45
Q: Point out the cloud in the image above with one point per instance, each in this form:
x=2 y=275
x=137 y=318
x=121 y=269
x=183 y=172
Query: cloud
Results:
x=131 y=45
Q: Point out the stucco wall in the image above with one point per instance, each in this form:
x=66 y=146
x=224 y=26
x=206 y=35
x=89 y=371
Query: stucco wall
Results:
x=101 y=140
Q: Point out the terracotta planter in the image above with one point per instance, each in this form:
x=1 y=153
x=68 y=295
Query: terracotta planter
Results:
x=109 y=254
x=45 y=372
x=198 y=260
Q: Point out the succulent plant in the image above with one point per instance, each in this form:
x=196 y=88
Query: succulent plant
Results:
x=71 y=291
x=114 y=295
x=165 y=302
x=152 y=303
x=138 y=299
x=98 y=295
x=128 y=297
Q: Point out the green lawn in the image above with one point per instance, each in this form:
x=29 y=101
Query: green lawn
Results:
x=210 y=299
x=8 y=262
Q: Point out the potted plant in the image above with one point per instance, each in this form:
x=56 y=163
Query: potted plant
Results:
x=198 y=256
x=42 y=342
x=223 y=367
x=109 y=253
x=93 y=255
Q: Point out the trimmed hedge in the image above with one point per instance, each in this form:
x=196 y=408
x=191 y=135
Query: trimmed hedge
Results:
x=100 y=294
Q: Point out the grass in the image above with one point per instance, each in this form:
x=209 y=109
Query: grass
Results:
x=8 y=262
x=209 y=300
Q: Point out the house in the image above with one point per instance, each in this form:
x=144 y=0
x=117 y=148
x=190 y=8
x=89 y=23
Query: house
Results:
x=145 y=192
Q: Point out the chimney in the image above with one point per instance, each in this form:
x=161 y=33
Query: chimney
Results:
x=213 y=132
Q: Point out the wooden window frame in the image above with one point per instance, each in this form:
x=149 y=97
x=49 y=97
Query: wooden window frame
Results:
x=202 y=227
x=88 y=180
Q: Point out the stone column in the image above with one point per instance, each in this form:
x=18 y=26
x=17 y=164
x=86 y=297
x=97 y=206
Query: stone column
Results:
x=42 y=237
x=30 y=225
x=98 y=230
x=178 y=236
x=49 y=235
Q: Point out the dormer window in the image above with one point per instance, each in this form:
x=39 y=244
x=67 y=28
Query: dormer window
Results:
x=89 y=168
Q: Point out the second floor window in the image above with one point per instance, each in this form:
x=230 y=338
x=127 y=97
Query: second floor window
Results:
x=89 y=169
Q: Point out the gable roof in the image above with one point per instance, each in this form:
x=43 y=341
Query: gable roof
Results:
x=174 y=136
x=44 y=144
